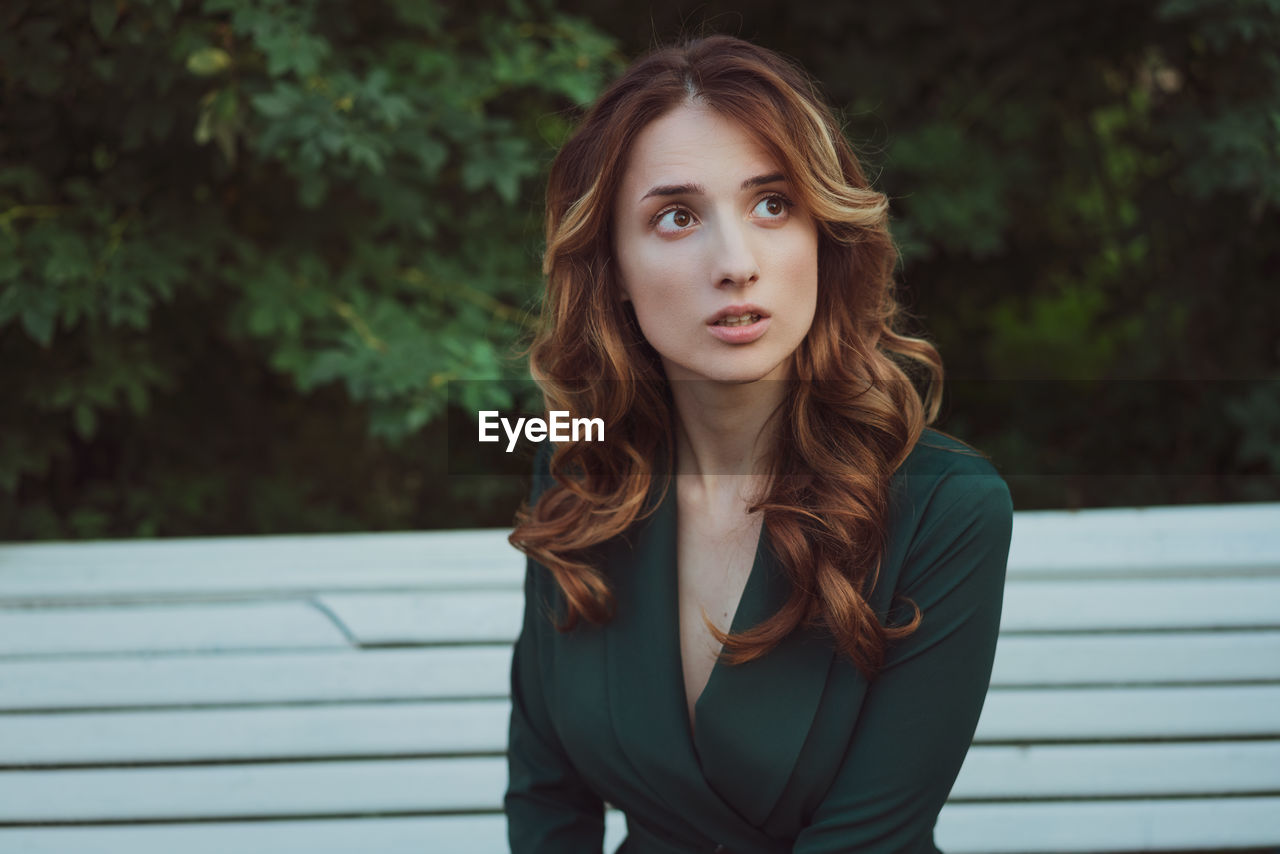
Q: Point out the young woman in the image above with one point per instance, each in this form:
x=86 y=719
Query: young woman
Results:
x=761 y=615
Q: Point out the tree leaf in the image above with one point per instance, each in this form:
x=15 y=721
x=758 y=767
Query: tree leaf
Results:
x=103 y=14
x=208 y=61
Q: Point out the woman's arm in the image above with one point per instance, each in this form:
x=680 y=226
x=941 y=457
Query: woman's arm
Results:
x=549 y=807
x=920 y=712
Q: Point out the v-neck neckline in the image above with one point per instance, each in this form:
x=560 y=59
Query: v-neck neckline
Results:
x=750 y=721
x=748 y=589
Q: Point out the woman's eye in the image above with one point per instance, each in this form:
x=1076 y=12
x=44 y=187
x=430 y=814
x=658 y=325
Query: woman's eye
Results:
x=772 y=207
x=677 y=218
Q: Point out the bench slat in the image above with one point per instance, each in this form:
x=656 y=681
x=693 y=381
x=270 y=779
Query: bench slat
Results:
x=457 y=784
x=407 y=729
x=288 y=732
x=209 y=626
x=482 y=671
x=1153 y=603
x=288 y=555
x=1101 y=714
x=1110 y=541
x=271 y=565
x=480 y=834
x=1181 y=824
x=1065 y=826
x=494 y=617
x=1121 y=770
x=1199 y=539
x=1031 y=606
x=281 y=677
x=1134 y=658
x=442 y=617
x=250 y=791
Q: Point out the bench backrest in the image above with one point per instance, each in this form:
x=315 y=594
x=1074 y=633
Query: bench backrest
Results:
x=339 y=693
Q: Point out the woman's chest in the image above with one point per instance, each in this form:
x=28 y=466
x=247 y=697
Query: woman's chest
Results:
x=713 y=563
x=770 y=731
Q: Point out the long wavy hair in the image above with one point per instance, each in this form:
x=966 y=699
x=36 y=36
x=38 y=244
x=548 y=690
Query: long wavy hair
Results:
x=851 y=413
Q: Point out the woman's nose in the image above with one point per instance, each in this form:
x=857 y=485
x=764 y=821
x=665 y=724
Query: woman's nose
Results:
x=735 y=261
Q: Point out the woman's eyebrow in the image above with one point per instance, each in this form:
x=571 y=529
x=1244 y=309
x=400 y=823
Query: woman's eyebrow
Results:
x=676 y=190
x=761 y=180
x=699 y=190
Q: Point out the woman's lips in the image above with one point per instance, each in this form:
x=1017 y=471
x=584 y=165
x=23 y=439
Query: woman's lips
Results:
x=740 y=334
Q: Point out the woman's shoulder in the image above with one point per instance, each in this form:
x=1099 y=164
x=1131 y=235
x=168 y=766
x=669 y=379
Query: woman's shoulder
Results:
x=940 y=457
x=944 y=478
x=937 y=454
x=951 y=515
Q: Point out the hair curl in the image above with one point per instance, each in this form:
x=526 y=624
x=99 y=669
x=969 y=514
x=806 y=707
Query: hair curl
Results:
x=850 y=416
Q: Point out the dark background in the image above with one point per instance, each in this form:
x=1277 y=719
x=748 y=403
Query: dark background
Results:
x=251 y=254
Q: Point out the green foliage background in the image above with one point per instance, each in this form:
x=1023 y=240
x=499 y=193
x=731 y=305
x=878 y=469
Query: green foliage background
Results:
x=246 y=245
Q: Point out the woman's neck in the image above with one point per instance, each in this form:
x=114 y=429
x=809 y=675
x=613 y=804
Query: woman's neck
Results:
x=723 y=437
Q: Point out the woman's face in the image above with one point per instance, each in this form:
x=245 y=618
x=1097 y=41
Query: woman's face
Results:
x=720 y=266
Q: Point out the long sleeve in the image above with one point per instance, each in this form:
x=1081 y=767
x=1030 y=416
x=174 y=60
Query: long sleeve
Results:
x=549 y=807
x=920 y=712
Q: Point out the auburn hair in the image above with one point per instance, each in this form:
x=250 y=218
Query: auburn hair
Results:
x=850 y=416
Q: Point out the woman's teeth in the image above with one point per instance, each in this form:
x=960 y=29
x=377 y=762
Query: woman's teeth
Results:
x=740 y=320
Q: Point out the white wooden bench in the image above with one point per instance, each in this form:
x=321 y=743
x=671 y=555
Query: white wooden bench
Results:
x=349 y=693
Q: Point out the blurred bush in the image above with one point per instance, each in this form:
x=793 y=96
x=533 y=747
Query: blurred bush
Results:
x=245 y=245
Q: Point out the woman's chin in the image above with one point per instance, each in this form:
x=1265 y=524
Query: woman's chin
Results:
x=728 y=374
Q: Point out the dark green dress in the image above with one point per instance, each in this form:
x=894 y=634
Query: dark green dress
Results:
x=794 y=752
